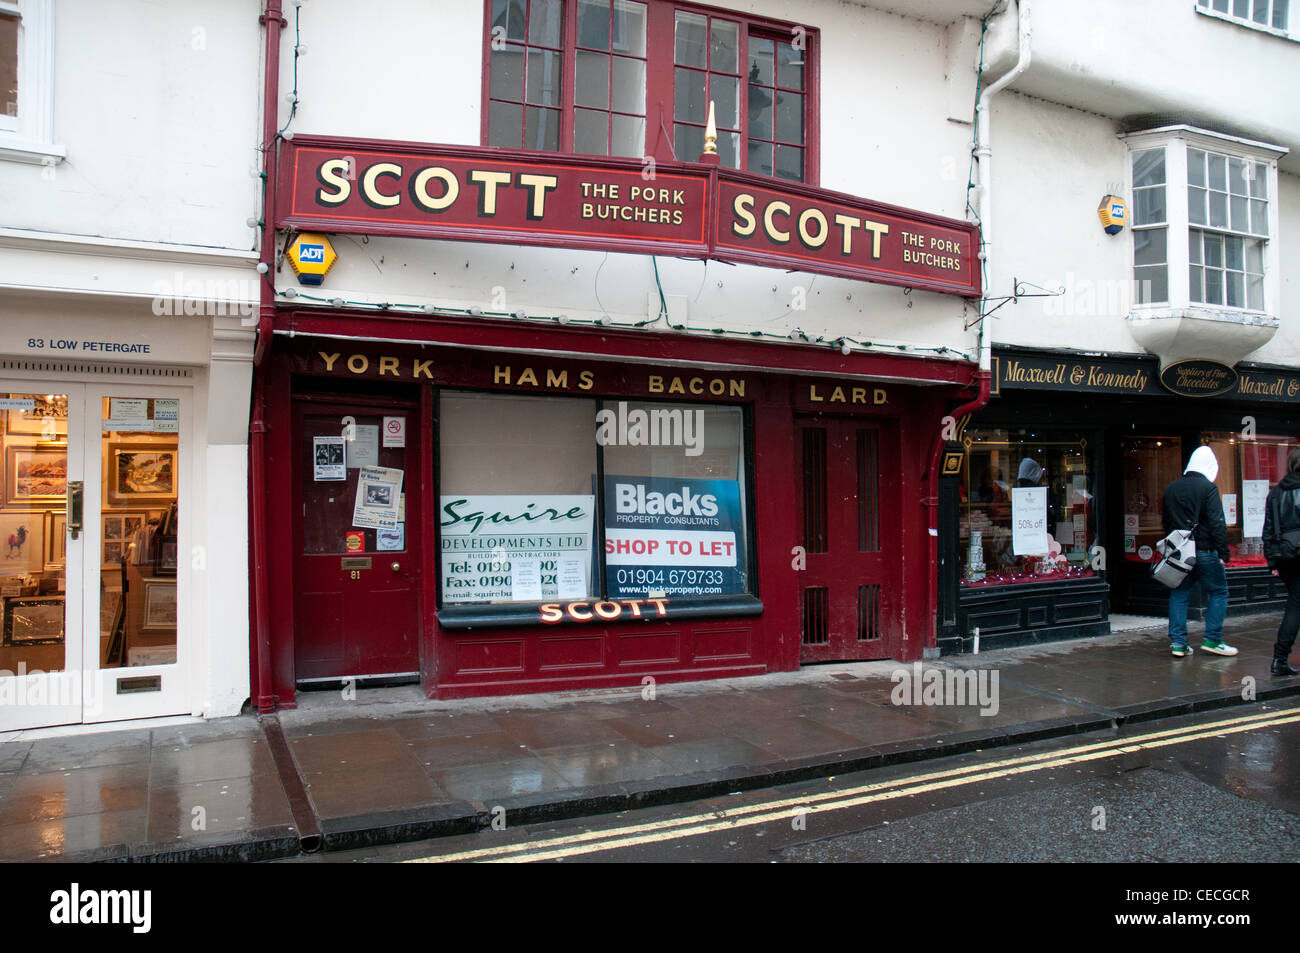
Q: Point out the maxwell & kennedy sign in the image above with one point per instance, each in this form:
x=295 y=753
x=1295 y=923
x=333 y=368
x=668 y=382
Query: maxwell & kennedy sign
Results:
x=459 y=193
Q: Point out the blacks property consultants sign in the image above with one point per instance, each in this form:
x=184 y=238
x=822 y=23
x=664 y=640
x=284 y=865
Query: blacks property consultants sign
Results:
x=459 y=193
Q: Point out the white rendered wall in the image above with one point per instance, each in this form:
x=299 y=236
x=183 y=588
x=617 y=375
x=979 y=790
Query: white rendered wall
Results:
x=416 y=74
x=156 y=104
x=1123 y=58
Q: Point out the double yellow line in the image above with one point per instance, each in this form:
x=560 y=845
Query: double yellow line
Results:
x=773 y=811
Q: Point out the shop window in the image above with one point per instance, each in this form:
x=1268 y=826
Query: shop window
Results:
x=517 y=504
x=538 y=493
x=1150 y=464
x=1028 y=507
x=1257 y=464
x=577 y=75
x=1217 y=230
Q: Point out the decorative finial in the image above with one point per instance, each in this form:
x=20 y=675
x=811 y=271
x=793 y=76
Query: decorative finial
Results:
x=710 y=154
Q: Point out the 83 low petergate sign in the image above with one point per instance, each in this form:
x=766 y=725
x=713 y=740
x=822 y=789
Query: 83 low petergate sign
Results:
x=459 y=193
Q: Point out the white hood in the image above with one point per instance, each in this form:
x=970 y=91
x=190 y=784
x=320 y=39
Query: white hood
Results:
x=1203 y=462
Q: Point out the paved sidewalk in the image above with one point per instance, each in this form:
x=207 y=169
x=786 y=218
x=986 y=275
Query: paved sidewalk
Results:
x=392 y=765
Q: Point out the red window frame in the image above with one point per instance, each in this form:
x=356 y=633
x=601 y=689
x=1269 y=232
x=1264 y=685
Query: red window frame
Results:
x=660 y=93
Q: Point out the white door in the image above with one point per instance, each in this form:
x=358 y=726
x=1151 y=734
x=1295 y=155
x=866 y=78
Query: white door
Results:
x=91 y=529
x=136 y=531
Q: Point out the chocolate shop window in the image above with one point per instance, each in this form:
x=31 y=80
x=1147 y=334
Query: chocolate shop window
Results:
x=525 y=480
x=1028 y=509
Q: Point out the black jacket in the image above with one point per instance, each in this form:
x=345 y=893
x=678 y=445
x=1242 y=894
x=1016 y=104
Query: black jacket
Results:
x=1281 y=514
x=1192 y=500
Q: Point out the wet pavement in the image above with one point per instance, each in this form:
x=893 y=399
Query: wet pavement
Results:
x=390 y=766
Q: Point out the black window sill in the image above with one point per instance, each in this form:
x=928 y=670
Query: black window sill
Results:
x=463 y=618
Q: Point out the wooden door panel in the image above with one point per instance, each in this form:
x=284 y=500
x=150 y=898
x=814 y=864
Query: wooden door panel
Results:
x=354 y=613
x=848 y=519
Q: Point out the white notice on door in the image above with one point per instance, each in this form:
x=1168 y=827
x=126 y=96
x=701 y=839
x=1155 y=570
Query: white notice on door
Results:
x=394 y=431
x=363 y=448
x=128 y=408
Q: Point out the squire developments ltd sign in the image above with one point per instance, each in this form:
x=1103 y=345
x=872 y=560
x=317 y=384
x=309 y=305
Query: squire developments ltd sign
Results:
x=457 y=193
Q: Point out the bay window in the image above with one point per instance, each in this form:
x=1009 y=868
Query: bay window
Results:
x=1204 y=229
x=635 y=79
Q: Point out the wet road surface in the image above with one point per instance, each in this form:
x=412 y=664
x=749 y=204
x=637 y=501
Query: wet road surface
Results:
x=1210 y=787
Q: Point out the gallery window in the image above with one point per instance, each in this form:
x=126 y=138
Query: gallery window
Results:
x=561 y=499
x=1204 y=231
x=1028 y=509
x=580 y=75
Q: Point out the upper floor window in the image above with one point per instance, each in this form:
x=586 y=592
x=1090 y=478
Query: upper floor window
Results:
x=630 y=78
x=1228 y=198
x=1271 y=14
x=1207 y=194
x=11 y=19
x=27 y=81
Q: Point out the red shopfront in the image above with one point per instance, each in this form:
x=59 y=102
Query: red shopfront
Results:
x=667 y=507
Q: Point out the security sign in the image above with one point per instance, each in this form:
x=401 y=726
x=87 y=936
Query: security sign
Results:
x=1113 y=214
x=311 y=256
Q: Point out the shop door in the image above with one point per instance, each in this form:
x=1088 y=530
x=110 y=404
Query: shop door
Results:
x=849 y=589
x=356 y=586
x=90 y=531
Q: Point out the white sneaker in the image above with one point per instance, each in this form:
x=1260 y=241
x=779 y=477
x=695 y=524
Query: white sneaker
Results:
x=1218 y=648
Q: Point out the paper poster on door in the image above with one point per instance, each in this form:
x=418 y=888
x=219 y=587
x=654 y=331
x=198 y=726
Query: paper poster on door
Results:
x=391 y=540
x=394 y=431
x=327 y=454
x=1230 y=509
x=379 y=491
x=1029 y=521
x=363 y=447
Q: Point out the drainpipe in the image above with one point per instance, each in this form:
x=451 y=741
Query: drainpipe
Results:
x=273 y=20
x=984 y=159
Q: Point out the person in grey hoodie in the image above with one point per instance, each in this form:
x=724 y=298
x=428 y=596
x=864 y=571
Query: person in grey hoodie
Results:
x=1193 y=501
x=1282 y=550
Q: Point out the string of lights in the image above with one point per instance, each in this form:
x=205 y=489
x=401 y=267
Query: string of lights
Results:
x=844 y=344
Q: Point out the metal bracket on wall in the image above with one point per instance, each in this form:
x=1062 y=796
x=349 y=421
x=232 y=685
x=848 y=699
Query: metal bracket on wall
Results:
x=1019 y=289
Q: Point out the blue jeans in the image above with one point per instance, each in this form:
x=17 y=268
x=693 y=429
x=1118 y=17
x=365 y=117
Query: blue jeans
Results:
x=1213 y=578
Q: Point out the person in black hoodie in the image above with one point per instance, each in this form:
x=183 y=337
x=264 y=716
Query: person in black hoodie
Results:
x=1282 y=549
x=1193 y=500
